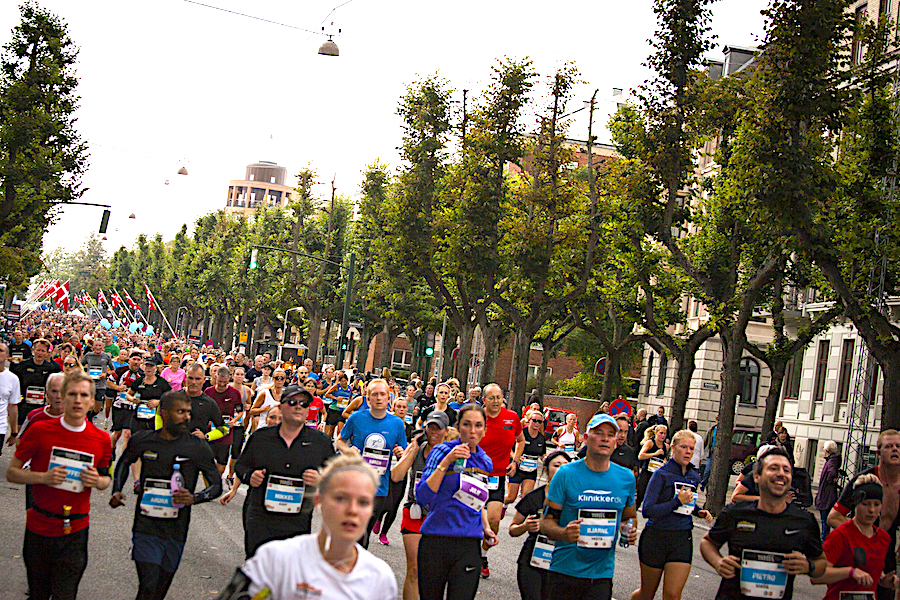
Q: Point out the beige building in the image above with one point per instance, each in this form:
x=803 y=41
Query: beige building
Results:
x=263 y=186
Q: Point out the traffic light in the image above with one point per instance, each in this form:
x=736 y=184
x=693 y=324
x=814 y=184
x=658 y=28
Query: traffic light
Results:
x=253 y=253
x=104 y=221
x=429 y=343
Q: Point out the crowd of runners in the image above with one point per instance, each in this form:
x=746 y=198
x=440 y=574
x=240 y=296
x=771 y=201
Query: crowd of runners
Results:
x=163 y=425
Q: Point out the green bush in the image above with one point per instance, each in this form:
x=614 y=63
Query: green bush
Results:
x=582 y=385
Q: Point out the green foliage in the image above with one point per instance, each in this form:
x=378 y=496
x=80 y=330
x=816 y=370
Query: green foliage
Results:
x=582 y=385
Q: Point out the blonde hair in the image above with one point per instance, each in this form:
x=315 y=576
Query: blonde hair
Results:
x=452 y=434
x=867 y=478
x=77 y=376
x=345 y=462
x=680 y=435
x=377 y=380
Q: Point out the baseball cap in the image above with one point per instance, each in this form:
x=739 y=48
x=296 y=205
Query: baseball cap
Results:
x=295 y=390
x=151 y=360
x=598 y=420
x=439 y=418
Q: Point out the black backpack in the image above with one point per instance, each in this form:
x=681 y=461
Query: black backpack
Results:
x=802 y=483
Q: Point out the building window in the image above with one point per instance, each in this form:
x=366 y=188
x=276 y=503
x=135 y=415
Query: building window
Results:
x=873 y=389
x=792 y=375
x=251 y=176
x=856 y=51
x=843 y=390
x=533 y=371
x=649 y=372
x=884 y=8
x=821 y=371
x=749 y=381
x=663 y=366
x=401 y=359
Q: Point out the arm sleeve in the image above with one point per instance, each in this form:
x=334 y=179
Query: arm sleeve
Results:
x=653 y=509
x=527 y=506
x=401 y=429
x=348 y=429
x=16 y=396
x=424 y=494
x=834 y=548
x=211 y=474
x=27 y=445
x=132 y=451
x=721 y=529
x=843 y=504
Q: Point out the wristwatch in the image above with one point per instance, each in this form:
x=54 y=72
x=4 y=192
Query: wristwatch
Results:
x=812 y=566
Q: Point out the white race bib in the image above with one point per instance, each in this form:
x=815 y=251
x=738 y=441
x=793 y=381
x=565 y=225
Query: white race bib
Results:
x=378 y=459
x=408 y=419
x=416 y=481
x=16 y=357
x=284 y=494
x=857 y=596
x=762 y=574
x=543 y=552
x=473 y=492
x=493 y=483
x=156 y=501
x=145 y=412
x=34 y=395
x=74 y=462
x=570 y=448
x=121 y=400
x=529 y=463
x=95 y=372
x=686 y=509
x=655 y=463
x=598 y=528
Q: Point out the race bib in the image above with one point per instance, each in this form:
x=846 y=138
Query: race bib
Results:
x=529 y=463
x=378 y=459
x=343 y=402
x=145 y=412
x=312 y=423
x=686 y=509
x=34 y=395
x=284 y=494
x=493 y=483
x=416 y=481
x=570 y=448
x=74 y=462
x=121 y=400
x=655 y=463
x=473 y=492
x=857 y=596
x=543 y=552
x=95 y=372
x=762 y=574
x=598 y=528
x=156 y=501
x=408 y=419
x=16 y=358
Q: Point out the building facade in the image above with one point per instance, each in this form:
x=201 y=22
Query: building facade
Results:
x=263 y=186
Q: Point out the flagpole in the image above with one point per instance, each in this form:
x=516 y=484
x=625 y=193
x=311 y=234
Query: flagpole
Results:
x=124 y=304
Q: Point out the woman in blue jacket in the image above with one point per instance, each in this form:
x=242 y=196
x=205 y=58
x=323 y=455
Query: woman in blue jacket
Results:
x=667 y=546
x=453 y=491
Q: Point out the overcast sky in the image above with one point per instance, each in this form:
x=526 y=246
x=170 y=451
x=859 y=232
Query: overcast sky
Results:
x=168 y=83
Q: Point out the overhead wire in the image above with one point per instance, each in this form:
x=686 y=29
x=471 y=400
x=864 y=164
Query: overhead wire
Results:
x=240 y=14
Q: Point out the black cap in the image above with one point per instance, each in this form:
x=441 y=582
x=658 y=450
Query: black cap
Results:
x=151 y=360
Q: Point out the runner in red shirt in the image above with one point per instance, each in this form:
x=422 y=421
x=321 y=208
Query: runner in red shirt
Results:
x=52 y=410
x=231 y=405
x=503 y=433
x=69 y=456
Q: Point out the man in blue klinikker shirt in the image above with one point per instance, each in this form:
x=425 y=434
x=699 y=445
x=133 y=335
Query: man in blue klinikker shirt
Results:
x=586 y=504
x=375 y=434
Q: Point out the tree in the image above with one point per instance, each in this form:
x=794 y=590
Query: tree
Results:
x=42 y=157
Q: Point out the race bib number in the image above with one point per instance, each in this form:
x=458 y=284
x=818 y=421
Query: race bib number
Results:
x=473 y=492
x=156 y=501
x=34 y=395
x=493 y=483
x=570 y=448
x=121 y=400
x=543 y=552
x=95 y=372
x=145 y=412
x=686 y=509
x=343 y=402
x=598 y=528
x=74 y=462
x=378 y=459
x=762 y=574
x=408 y=419
x=655 y=463
x=857 y=596
x=284 y=494
x=16 y=358
x=529 y=463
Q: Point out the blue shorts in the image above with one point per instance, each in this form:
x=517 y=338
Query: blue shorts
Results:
x=164 y=552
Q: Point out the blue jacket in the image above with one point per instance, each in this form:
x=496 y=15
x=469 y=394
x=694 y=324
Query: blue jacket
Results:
x=660 y=499
x=447 y=515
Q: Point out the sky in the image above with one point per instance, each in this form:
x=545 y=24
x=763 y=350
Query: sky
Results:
x=170 y=83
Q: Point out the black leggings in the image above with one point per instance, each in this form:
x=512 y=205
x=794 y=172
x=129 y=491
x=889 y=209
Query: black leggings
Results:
x=153 y=581
x=643 y=480
x=453 y=563
x=54 y=565
x=565 y=587
x=532 y=582
x=395 y=496
x=380 y=503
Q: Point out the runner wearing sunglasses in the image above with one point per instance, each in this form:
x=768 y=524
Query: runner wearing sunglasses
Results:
x=280 y=465
x=527 y=467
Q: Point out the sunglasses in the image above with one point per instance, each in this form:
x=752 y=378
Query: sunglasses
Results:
x=278 y=378
x=537 y=420
x=294 y=401
x=69 y=364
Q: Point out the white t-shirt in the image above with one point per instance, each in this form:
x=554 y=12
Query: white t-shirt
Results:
x=698 y=451
x=295 y=568
x=10 y=393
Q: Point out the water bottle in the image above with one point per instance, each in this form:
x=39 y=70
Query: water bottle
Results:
x=176 y=483
x=627 y=526
x=459 y=465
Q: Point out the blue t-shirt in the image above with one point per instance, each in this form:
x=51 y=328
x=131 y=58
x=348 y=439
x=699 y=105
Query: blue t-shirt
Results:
x=362 y=431
x=576 y=487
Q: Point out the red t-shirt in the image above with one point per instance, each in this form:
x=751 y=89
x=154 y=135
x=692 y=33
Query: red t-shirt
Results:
x=314 y=409
x=36 y=445
x=227 y=401
x=36 y=416
x=839 y=547
x=500 y=439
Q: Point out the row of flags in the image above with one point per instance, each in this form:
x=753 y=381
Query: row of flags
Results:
x=58 y=292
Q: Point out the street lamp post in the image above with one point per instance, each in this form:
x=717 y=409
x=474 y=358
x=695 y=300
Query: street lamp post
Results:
x=284 y=330
x=178 y=316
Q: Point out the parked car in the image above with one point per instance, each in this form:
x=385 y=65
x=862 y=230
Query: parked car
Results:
x=744 y=443
x=554 y=418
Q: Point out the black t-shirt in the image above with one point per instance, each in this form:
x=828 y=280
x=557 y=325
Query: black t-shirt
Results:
x=32 y=375
x=743 y=526
x=625 y=456
x=150 y=391
x=450 y=413
x=266 y=449
x=534 y=446
x=204 y=411
x=158 y=457
x=17 y=348
x=252 y=374
x=423 y=402
x=531 y=504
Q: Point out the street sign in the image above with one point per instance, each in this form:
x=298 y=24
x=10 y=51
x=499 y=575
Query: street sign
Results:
x=710 y=385
x=243 y=337
x=194 y=339
x=620 y=406
x=455 y=353
x=600 y=367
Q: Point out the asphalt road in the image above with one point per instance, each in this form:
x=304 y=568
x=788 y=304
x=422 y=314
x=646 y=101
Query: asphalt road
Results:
x=215 y=548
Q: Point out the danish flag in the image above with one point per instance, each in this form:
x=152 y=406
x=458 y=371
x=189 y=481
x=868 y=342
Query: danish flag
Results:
x=116 y=299
x=151 y=301
x=131 y=302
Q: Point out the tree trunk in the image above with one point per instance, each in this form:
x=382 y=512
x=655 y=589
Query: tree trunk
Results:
x=491 y=340
x=389 y=333
x=314 y=312
x=362 y=355
x=466 y=333
x=890 y=412
x=522 y=351
x=448 y=345
x=732 y=352
x=612 y=378
x=776 y=372
x=542 y=372
x=687 y=363
x=254 y=336
x=326 y=343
